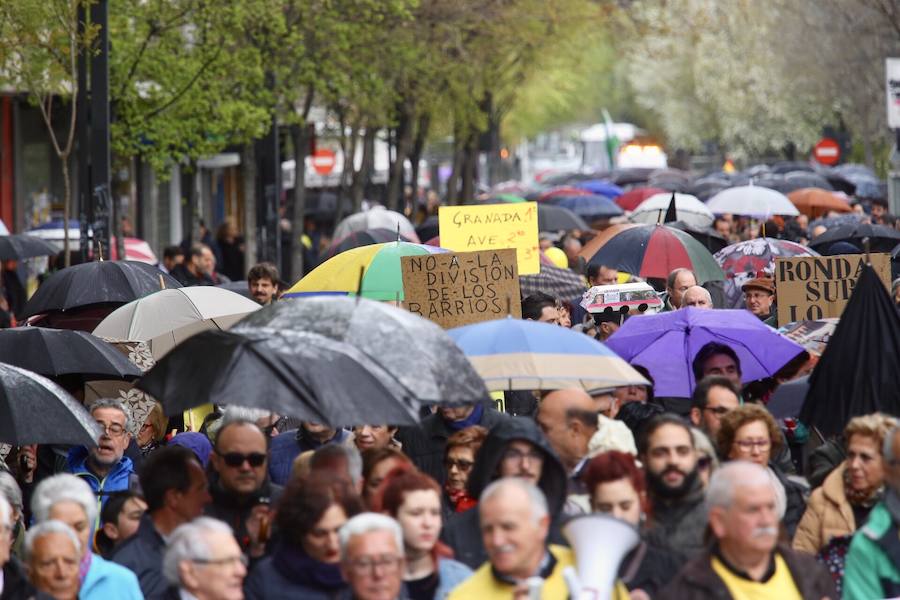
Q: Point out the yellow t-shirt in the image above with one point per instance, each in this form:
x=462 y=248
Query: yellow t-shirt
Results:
x=780 y=585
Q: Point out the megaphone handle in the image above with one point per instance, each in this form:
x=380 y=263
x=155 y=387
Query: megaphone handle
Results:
x=535 y=586
x=570 y=576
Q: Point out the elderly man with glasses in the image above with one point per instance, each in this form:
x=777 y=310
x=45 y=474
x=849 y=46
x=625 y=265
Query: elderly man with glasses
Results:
x=204 y=562
x=372 y=559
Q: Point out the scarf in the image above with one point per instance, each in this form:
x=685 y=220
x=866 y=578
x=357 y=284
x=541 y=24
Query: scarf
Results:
x=472 y=419
x=864 y=498
x=85 y=566
x=460 y=499
x=295 y=565
x=545 y=569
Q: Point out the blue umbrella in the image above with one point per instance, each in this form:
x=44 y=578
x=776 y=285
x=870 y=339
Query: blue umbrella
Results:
x=601 y=188
x=589 y=207
x=666 y=344
x=514 y=354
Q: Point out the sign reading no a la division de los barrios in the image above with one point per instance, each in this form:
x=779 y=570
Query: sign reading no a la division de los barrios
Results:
x=493 y=227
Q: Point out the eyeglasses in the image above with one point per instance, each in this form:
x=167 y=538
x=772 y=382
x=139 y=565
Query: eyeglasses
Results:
x=516 y=455
x=462 y=465
x=719 y=411
x=236 y=459
x=366 y=566
x=112 y=429
x=749 y=445
x=222 y=562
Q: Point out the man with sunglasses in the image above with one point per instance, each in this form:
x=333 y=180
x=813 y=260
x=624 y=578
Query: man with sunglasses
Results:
x=242 y=493
x=105 y=467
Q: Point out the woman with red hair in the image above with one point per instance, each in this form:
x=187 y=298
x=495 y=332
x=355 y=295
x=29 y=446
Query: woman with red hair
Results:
x=617 y=487
x=414 y=500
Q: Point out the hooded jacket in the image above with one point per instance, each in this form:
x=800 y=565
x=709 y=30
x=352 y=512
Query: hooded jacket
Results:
x=117 y=480
x=463 y=530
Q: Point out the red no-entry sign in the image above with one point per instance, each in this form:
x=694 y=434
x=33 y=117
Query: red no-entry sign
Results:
x=323 y=161
x=827 y=152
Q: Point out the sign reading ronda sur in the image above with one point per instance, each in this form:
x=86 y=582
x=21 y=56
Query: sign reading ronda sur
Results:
x=819 y=287
x=493 y=227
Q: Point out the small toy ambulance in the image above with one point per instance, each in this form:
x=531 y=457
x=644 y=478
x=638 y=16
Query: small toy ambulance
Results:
x=625 y=299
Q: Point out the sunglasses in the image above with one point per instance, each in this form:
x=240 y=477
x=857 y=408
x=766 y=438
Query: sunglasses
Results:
x=236 y=459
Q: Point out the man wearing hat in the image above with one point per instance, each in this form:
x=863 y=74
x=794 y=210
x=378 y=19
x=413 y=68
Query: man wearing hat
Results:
x=759 y=298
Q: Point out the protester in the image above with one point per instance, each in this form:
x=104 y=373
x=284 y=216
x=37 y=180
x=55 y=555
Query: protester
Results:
x=105 y=467
x=14 y=580
x=602 y=275
x=635 y=393
x=714 y=397
x=873 y=568
x=513 y=448
x=413 y=499
x=607 y=324
x=175 y=489
x=716 y=358
x=376 y=466
x=305 y=560
x=242 y=494
x=152 y=431
x=697 y=297
x=677 y=283
x=196 y=442
x=425 y=443
x=462 y=447
x=12 y=493
x=172 y=257
x=211 y=261
x=746 y=560
x=119 y=520
x=617 y=487
x=195 y=268
x=372 y=557
x=262 y=279
x=52 y=556
x=759 y=296
x=707 y=458
x=678 y=517
x=231 y=248
x=203 y=561
x=288 y=445
x=368 y=437
x=844 y=501
x=69 y=500
x=540 y=307
x=750 y=433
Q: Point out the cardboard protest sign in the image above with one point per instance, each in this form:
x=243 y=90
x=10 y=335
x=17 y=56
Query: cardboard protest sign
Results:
x=458 y=288
x=492 y=227
x=818 y=287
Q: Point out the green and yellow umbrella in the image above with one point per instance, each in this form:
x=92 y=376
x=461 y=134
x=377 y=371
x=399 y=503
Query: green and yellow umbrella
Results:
x=380 y=264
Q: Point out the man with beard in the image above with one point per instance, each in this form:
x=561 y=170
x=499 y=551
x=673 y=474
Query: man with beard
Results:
x=746 y=560
x=675 y=490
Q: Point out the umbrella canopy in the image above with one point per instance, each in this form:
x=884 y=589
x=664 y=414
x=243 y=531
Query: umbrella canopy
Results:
x=376 y=218
x=34 y=410
x=753 y=201
x=166 y=310
x=507 y=198
x=655 y=251
x=687 y=209
x=704 y=189
x=711 y=239
x=238 y=287
x=58 y=352
x=558 y=218
x=666 y=344
x=417 y=351
x=743 y=261
x=816 y=202
x=564 y=190
x=135 y=249
x=589 y=207
x=881 y=237
x=515 y=354
x=787 y=400
x=798 y=180
x=630 y=176
x=21 y=246
x=303 y=375
x=857 y=374
x=837 y=220
x=601 y=187
x=382 y=278
x=633 y=198
x=428 y=228
x=559 y=283
x=366 y=237
x=95 y=283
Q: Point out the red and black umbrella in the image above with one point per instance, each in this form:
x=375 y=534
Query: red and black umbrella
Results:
x=655 y=251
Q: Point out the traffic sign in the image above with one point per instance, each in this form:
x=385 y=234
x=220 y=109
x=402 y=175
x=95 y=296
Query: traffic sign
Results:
x=827 y=152
x=323 y=161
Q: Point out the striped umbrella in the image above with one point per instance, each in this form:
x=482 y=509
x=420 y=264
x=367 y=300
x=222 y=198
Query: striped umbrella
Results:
x=655 y=251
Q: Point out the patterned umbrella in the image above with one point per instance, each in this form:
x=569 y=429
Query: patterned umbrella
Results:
x=559 y=283
x=655 y=251
x=744 y=260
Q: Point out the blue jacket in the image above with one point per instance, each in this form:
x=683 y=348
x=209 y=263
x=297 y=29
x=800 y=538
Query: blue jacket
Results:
x=116 y=481
x=451 y=573
x=106 y=579
x=142 y=553
x=289 y=445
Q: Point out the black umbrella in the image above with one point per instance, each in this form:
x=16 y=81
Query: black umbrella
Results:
x=630 y=176
x=559 y=283
x=20 y=246
x=98 y=282
x=365 y=237
x=784 y=167
x=57 y=352
x=559 y=218
x=881 y=237
x=418 y=352
x=857 y=374
x=428 y=229
x=788 y=398
x=802 y=179
x=711 y=239
x=34 y=410
x=301 y=375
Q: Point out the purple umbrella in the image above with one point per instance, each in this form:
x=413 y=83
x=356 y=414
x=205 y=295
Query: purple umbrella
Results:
x=667 y=343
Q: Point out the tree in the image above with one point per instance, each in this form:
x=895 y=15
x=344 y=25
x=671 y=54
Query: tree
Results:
x=40 y=42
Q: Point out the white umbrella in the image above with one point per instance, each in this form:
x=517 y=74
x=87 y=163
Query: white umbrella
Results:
x=376 y=218
x=203 y=307
x=688 y=209
x=752 y=201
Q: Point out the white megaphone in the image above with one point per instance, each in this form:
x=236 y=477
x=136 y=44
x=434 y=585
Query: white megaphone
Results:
x=599 y=542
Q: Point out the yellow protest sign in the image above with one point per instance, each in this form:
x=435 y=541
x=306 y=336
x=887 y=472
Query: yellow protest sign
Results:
x=493 y=227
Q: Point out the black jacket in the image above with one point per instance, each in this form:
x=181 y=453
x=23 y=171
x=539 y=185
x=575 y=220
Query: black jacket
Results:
x=187 y=279
x=679 y=526
x=463 y=530
x=143 y=554
x=796 y=501
x=235 y=510
x=425 y=443
x=648 y=568
x=15 y=582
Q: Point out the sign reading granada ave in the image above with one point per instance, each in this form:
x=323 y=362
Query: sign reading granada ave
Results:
x=493 y=227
